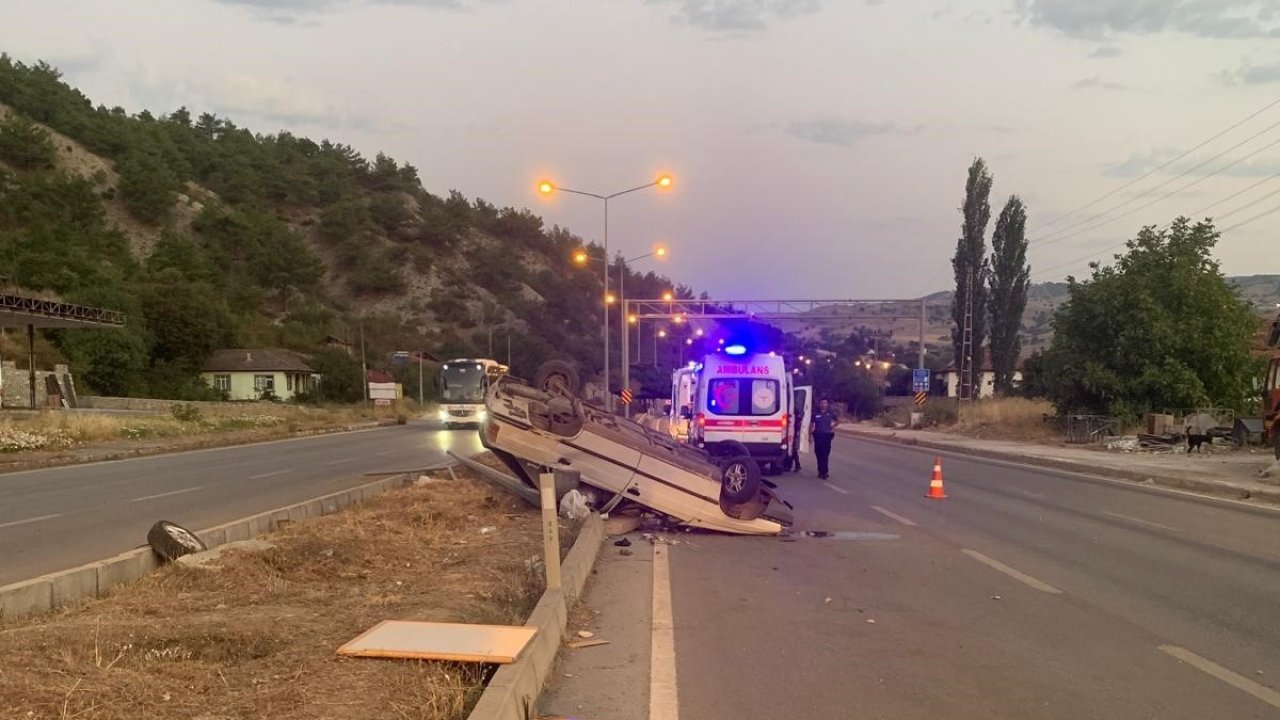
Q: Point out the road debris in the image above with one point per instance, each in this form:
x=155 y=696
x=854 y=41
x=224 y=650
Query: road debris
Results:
x=626 y=552
x=573 y=506
x=457 y=642
x=579 y=644
x=622 y=543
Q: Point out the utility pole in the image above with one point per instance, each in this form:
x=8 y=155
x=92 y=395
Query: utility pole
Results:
x=923 y=315
x=364 y=367
x=966 y=344
x=420 y=397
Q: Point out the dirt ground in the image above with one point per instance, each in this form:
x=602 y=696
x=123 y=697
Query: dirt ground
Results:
x=257 y=638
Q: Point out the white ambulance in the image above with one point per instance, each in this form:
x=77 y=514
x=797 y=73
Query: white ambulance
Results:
x=743 y=397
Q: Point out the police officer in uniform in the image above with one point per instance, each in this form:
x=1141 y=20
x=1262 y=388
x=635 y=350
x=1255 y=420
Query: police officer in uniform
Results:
x=821 y=431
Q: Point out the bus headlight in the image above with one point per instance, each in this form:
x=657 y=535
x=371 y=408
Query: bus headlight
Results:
x=482 y=414
x=444 y=415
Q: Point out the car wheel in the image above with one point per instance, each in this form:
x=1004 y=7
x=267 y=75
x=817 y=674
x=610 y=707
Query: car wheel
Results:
x=557 y=372
x=171 y=541
x=740 y=479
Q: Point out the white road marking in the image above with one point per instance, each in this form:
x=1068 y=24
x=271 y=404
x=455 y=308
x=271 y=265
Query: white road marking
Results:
x=30 y=520
x=270 y=474
x=1020 y=577
x=384 y=452
x=341 y=461
x=1140 y=521
x=1236 y=680
x=663 y=703
x=1026 y=493
x=837 y=488
x=894 y=515
x=167 y=494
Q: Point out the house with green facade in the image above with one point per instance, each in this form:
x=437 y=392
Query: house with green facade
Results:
x=260 y=373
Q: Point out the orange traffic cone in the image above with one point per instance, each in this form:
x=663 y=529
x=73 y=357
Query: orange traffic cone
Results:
x=935 y=482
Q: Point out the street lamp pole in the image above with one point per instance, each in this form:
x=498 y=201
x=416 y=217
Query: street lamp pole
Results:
x=546 y=188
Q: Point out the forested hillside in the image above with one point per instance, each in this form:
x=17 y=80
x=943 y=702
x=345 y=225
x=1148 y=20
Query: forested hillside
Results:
x=209 y=235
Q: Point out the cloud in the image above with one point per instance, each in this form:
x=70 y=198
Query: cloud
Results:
x=1250 y=74
x=845 y=133
x=1105 y=51
x=1097 y=83
x=1097 y=19
x=739 y=15
x=290 y=11
x=1143 y=162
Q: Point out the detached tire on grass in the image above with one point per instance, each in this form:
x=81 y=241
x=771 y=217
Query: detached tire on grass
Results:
x=171 y=541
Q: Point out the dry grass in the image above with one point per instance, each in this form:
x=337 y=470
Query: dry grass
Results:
x=67 y=429
x=258 y=638
x=1007 y=418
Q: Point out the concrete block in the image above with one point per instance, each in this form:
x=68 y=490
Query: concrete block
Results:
x=213 y=537
x=277 y=516
x=260 y=524
x=342 y=499
x=297 y=513
x=125 y=568
x=75 y=585
x=238 y=531
x=26 y=598
x=328 y=505
x=314 y=508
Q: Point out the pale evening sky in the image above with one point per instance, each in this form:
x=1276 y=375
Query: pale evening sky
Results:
x=819 y=146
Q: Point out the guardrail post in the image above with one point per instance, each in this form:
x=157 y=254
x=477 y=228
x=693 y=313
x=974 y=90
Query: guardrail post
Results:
x=550 y=529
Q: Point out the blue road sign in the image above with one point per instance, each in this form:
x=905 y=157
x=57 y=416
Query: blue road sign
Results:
x=920 y=380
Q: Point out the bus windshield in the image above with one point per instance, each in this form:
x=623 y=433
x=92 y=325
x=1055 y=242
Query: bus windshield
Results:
x=463 y=382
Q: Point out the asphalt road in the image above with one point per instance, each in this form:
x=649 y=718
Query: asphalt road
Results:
x=1025 y=594
x=62 y=517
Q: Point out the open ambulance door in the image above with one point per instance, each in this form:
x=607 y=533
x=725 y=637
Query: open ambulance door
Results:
x=802 y=405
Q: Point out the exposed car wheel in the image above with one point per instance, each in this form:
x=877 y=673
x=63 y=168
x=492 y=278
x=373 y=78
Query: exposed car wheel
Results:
x=729 y=448
x=740 y=479
x=171 y=541
x=557 y=373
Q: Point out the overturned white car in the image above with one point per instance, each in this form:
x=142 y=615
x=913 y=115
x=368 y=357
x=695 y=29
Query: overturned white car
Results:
x=540 y=427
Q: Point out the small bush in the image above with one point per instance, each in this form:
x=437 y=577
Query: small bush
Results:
x=186 y=413
x=402 y=419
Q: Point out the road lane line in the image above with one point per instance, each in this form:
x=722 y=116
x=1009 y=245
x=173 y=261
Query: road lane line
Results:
x=340 y=461
x=30 y=520
x=1240 y=682
x=1140 y=521
x=270 y=474
x=1026 y=493
x=663 y=703
x=1020 y=577
x=837 y=488
x=167 y=494
x=894 y=515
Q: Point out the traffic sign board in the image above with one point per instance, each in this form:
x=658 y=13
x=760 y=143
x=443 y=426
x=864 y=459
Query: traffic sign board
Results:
x=627 y=397
x=920 y=380
x=921 y=397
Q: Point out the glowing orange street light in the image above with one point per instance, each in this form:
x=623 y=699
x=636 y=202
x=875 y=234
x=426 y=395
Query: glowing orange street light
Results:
x=679 y=319
x=633 y=319
x=662 y=333
x=546 y=188
x=581 y=257
x=660 y=251
x=668 y=296
x=664 y=181
x=610 y=299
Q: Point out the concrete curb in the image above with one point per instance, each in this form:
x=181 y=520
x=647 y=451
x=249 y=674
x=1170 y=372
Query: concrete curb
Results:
x=68 y=587
x=1202 y=487
x=513 y=692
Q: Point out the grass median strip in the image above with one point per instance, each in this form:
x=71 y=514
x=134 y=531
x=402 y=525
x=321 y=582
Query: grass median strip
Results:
x=258 y=637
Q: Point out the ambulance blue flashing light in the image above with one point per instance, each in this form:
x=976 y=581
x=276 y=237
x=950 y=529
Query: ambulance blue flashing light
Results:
x=735 y=350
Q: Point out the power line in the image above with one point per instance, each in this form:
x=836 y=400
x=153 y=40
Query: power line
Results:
x=1056 y=236
x=1272 y=211
x=1247 y=205
x=1164 y=197
x=1160 y=167
x=1236 y=194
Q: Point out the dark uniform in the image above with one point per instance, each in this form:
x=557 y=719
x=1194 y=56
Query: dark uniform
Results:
x=823 y=429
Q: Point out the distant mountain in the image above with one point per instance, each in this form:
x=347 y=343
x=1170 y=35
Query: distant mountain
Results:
x=1043 y=300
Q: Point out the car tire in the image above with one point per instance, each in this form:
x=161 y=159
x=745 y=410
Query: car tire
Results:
x=171 y=541
x=740 y=479
x=557 y=372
